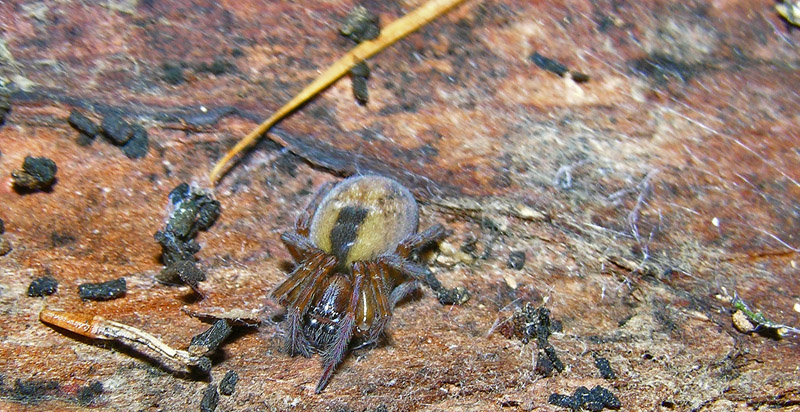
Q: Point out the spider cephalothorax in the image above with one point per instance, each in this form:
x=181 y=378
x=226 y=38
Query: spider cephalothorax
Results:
x=355 y=251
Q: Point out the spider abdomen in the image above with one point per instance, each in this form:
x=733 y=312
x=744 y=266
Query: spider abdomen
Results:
x=363 y=218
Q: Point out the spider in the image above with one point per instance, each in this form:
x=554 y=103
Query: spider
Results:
x=357 y=251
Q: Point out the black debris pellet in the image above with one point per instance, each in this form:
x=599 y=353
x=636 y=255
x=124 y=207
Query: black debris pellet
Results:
x=604 y=367
x=360 y=24
x=582 y=395
x=208 y=214
x=31 y=391
x=208 y=341
x=87 y=394
x=137 y=146
x=551 y=354
x=516 y=260
x=359 y=75
x=43 y=286
x=185 y=270
x=361 y=69
x=579 y=77
x=217 y=67
x=2 y=227
x=175 y=250
x=543 y=365
x=564 y=401
x=83 y=124
x=173 y=73
x=203 y=365
x=37 y=173
x=594 y=400
x=117 y=129
x=194 y=210
x=210 y=399
x=228 y=383
x=179 y=193
x=454 y=296
x=5 y=246
x=549 y=64
x=111 y=289
x=605 y=396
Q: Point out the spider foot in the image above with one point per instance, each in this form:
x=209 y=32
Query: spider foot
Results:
x=336 y=351
x=296 y=342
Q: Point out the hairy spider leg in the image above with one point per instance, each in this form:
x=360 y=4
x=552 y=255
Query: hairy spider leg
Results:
x=308 y=278
x=334 y=354
x=303 y=222
x=298 y=245
x=412 y=269
x=297 y=277
x=433 y=234
x=401 y=291
x=383 y=310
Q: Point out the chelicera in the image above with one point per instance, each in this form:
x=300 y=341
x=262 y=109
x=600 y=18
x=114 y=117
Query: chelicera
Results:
x=356 y=247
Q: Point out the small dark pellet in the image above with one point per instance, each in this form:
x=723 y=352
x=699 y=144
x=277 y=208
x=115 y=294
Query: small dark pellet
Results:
x=551 y=353
x=43 y=286
x=359 y=75
x=209 y=340
x=579 y=77
x=360 y=25
x=37 y=173
x=210 y=399
x=2 y=227
x=516 y=260
x=361 y=69
x=179 y=193
x=564 y=401
x=549 y=64
x=137 y=146
x=173 y=73
x=87 y=394
x=117 y=129
x=5 y=246
x=604 y=367
x=604 y=395
x=543 y=365
x=103 y=291
x=228 y=383
x=594 y=400
x=83 y=124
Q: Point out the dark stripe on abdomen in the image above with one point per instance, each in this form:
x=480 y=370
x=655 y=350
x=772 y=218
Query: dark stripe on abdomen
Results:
x=345 y=230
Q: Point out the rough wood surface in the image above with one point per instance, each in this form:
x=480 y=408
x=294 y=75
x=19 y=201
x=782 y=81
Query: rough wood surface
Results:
x=642 y=198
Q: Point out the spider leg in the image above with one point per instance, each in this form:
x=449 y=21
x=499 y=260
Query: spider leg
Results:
x=433 y=234
x=299 y=246
x=303 y=222
x=336 y=351
x=421 y=273
x=384 y=308
x=401 y=291
x=412 y=269
x=296 y=278
x=309 y=283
